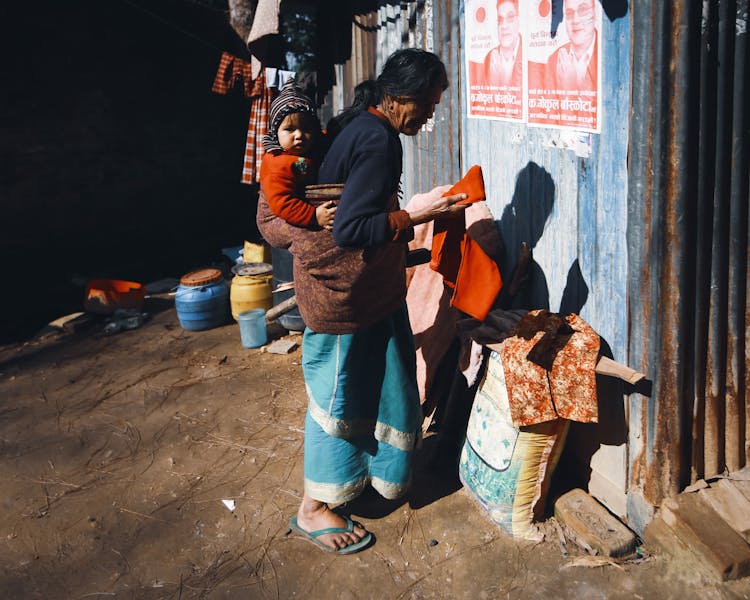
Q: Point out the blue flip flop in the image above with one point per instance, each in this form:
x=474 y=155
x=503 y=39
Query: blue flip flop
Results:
x=313 y=536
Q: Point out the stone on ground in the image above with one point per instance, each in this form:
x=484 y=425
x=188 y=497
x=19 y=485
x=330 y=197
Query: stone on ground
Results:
x=588 y=521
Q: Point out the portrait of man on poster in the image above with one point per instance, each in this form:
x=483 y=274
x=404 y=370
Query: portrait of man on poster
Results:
x=503 y=65
x=573 y=67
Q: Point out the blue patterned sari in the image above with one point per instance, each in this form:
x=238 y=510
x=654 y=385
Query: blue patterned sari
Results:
x=364 y=417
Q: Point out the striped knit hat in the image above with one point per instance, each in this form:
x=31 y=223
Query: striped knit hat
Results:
x=290 y=100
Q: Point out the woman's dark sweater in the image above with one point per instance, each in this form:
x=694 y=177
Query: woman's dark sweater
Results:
x=356 y=277
x=367 y=157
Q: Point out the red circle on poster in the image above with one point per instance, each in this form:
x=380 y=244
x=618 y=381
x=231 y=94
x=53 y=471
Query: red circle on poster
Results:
x=481 y=14
x=544 y=8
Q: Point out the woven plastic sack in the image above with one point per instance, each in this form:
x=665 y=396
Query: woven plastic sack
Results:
x=508 y=469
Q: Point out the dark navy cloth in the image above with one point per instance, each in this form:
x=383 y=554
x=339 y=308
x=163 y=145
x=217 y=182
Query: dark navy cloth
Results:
x=366 y=156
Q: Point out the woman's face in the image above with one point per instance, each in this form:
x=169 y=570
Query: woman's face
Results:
x=407 y=115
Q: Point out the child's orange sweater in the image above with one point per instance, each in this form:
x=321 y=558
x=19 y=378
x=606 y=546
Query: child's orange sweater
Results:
x=283 y=178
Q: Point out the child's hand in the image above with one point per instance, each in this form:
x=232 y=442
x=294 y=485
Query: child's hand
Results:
x=324 y=214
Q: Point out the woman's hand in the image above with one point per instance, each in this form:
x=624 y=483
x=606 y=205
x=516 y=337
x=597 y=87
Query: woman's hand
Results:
x=444 y=206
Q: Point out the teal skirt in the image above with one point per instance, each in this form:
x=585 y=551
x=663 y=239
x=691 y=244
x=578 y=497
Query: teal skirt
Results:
x=364 y=417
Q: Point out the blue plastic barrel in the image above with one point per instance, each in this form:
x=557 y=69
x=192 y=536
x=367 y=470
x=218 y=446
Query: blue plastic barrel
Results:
x=202 y=300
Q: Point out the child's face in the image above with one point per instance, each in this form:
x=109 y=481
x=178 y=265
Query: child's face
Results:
x=296 y=133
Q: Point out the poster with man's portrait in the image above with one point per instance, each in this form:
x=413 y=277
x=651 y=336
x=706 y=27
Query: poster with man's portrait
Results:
x=564 y=64
x=534 y=61
x=494 y=51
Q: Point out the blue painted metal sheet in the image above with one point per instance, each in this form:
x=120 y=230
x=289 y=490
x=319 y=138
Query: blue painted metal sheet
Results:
x=571 y=209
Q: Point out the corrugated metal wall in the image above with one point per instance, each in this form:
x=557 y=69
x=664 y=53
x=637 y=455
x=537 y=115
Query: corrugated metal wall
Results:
x=359 y=67
x=432 y=157
x=688 y=242
x=571 y=209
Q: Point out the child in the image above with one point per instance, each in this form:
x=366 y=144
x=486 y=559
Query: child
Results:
x=286 y=167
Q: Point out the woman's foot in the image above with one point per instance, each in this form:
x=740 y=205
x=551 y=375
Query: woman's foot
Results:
x=314 y=515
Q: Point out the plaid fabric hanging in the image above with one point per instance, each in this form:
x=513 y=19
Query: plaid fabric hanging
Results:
x=256 y=129
x=232 y=70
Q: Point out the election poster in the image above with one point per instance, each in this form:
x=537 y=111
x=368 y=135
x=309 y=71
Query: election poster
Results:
x=530 y=61
x=495 y=66
x=564 y=65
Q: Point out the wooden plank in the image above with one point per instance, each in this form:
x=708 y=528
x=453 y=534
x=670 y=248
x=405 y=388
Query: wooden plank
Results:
x=714 y=543
x=731 y=504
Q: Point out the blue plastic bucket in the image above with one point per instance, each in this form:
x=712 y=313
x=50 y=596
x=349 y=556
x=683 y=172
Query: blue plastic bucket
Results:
x=202 y=300
x=253 y=327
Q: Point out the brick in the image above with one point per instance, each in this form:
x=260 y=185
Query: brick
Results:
x=62 y=321
x=661 y=538
x=590 y=522
x=730 y=504
x=716 y=546
x=607 y=492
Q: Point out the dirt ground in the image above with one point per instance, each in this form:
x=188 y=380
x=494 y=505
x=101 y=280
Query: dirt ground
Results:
x=119 y=453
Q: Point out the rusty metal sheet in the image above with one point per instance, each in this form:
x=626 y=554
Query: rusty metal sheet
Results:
x=687 y=243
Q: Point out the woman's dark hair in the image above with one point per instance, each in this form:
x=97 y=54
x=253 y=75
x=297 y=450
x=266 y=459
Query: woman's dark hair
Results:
x=408 y=73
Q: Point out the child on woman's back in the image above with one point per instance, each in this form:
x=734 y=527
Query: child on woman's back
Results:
x=286 y=167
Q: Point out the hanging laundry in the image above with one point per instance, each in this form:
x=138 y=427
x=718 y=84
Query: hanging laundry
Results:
x=257 y=127
x=277 y=78
x=232 y=71
x=464 y=265
x=265 y=23
x=272 y=77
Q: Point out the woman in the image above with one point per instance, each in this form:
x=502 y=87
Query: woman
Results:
x=364 y=417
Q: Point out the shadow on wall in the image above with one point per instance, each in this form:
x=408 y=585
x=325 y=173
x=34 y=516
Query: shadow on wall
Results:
x=584 y=439
x=523 y=222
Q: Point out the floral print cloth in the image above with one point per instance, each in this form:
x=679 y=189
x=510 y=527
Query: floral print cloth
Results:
x=568 y=390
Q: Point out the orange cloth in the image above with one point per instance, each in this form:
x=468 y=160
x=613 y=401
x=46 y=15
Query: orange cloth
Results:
x=465 y=267
x=472 y=185
x=478 y=281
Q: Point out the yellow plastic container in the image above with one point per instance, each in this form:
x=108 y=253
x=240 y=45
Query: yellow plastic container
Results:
x=256 y=253
x=251 y=288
